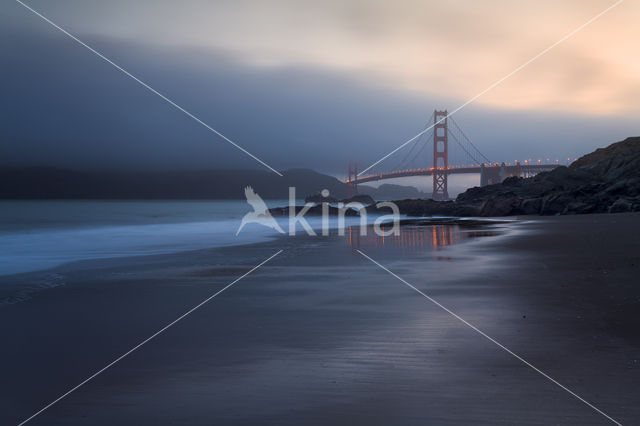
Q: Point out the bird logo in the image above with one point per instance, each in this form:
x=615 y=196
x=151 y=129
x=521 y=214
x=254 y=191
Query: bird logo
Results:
x=260 y=213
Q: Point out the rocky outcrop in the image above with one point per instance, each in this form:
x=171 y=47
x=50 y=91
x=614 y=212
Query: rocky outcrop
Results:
x=607 y=180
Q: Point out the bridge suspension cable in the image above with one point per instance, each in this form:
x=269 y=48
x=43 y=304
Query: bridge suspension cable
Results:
x=470 y=155
x=466 y=138
x=410 y=156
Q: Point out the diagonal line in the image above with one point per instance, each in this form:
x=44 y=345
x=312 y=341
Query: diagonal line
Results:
x=496 y=83
x=147 y=340
x=151 y=89
x=500 y=345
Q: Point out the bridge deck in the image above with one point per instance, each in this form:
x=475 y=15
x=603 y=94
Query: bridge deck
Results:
x=517 y=169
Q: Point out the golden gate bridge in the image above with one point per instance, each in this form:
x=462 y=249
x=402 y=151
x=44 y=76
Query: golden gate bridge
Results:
x=436 y=143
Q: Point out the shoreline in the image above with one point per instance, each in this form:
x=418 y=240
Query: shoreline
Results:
x=321 y=335
x=49 y=277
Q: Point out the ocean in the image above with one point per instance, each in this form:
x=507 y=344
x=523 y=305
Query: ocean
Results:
x=37 y=235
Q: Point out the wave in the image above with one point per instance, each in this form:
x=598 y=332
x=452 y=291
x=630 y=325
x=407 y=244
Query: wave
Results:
x=34 y=250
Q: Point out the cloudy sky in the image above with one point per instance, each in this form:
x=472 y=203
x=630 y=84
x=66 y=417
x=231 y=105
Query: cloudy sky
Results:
x=311 y=84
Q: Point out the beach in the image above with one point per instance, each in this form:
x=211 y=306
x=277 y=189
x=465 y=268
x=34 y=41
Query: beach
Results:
x=322 y=335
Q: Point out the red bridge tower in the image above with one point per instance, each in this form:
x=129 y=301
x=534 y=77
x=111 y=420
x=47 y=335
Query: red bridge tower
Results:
x=440 y=152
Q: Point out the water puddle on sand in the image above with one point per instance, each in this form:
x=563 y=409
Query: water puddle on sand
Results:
x=414 y=238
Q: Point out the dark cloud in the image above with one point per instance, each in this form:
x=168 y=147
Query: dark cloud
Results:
x=63 y=106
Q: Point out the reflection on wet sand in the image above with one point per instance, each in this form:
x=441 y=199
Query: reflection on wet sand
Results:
x=415 y=238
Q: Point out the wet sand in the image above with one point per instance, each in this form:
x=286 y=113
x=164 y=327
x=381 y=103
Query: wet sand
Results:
x=320 y=335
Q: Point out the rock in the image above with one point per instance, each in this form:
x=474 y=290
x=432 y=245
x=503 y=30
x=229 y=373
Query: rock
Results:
x=617 y=161
x=512 y=181
x=621 y=206
x=555 y=204
x=580 y=208
x=501 y=206
x=531 y=206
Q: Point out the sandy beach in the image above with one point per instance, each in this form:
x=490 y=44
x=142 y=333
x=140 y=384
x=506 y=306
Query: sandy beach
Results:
x=321 y=335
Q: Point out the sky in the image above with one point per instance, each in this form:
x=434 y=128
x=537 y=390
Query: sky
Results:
x=311 y=84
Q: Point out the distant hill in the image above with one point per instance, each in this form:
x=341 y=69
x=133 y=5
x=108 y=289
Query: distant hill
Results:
x=607 y=180
x=51 y=183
